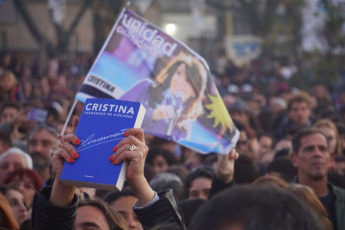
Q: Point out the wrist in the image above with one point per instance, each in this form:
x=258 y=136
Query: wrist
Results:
x=226 y=178
x=142 y=190
x=61 y=195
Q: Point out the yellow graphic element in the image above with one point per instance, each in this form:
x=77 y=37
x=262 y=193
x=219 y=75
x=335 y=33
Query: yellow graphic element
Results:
x=220 y=113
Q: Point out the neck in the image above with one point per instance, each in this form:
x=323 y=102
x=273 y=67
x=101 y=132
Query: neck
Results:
x=319 y=186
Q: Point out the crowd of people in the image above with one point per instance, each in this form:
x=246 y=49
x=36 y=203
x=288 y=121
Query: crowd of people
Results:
x=287 y=170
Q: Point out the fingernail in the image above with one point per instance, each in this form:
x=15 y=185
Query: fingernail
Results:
x=77 y=141
x=114 y=162
x=111 y=158
x=71 y=160
x=125 y=133
x=114 y=149
x=75 y=155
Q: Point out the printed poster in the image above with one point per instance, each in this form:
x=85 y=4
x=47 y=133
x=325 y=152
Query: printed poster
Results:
x=140 y=62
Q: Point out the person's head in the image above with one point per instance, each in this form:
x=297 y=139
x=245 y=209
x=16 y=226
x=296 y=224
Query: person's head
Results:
x=299 y=110
x=265 y=142
x=8 y=81
x=242 y=145
x=27 y=181
x=246 y=169
x=199 y=181
x=160 y=159
x=253 y=207
x=7 y=217
x=282 y=167
x=163 y=181
x=96 y=214
x=17 y=202
x=187 y=76
x=308 y=195
x=123 y=201
x=239 y=110
x=14 y=158
x=41 y=140
x=268 y=180
x=311 y=155
x=331 y=132
x=8 y=111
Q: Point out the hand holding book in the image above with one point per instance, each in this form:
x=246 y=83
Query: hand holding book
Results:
x=62 y=195
x=136 y=162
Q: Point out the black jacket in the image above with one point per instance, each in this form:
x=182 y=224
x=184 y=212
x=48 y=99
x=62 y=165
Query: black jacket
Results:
x=46 y=215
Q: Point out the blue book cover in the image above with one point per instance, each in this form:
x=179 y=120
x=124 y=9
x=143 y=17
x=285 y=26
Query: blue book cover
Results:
x=101 y=126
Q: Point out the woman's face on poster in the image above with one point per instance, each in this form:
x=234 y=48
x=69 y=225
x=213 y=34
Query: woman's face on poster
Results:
x=179 y=83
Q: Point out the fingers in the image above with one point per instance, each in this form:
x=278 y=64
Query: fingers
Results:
x=67 y=150
x=122 y=150
x=233 y=155
x=136 y=132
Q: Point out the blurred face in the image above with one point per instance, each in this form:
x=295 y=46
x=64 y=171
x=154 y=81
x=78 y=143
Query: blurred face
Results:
x=200 y=188
x=125 y=206
x=6 y=83
x=90 y=218
x=242 y=145
x=300 y=113
x=41 y=143
x=8 y=114
x=160 y=164
x=179 y=83
x=16 y=200
x=265 y=144
x=10 y=163
x=313 y=158
x=26 y=187
x=331 y=137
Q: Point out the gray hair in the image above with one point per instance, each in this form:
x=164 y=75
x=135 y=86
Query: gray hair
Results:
x=18 y=151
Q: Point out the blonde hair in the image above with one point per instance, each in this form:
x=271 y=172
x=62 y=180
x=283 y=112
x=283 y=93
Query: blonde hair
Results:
x=13 y=78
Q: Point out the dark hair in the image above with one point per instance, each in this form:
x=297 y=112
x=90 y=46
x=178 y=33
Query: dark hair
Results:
x=21 y=173
x=113 y=196
x=43 y=126
x=201 y=171
x=9 y=104
x=167 y=155
x=114 y=219
x=189 y=207
x=284 y=167
x=255 y=208
x=5 y=139
x=296 y=140
x=246 y=170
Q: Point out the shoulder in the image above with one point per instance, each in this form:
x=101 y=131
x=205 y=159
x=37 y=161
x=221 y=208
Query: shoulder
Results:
x=338 y=192
x=144 y=83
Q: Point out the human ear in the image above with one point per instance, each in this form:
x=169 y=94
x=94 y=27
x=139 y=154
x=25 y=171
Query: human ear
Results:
x=294 y=160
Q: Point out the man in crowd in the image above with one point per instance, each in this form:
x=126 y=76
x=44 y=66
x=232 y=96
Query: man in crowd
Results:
x=40 y=144
x=312 y=158
x=298 y=116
